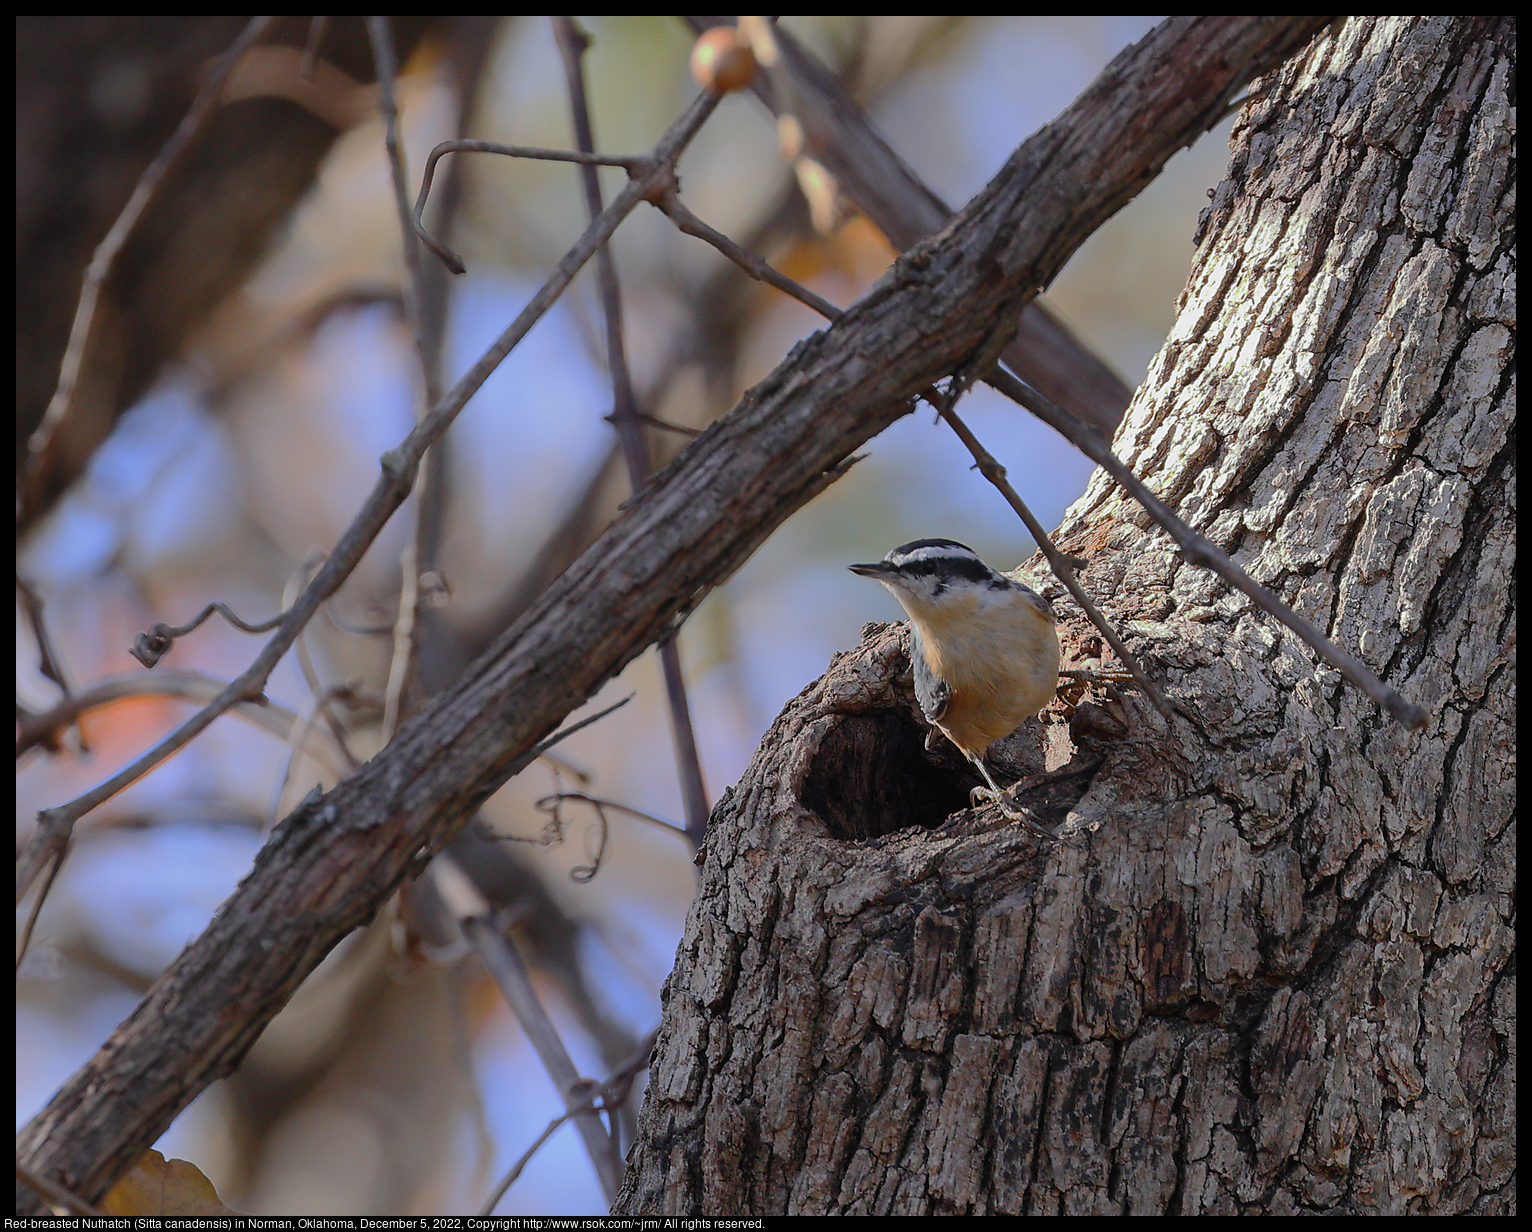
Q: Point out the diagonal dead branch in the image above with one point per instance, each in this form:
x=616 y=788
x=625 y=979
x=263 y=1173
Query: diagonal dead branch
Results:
x=499 y=953
x=1090 y=440
x=607 y=1097
x=669 y=203
x=839 y=136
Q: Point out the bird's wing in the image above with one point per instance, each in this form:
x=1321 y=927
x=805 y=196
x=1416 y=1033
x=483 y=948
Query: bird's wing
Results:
x=932 y=693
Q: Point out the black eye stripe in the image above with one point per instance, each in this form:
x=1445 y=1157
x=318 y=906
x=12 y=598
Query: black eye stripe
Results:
x=945 y=562
x=953 y=568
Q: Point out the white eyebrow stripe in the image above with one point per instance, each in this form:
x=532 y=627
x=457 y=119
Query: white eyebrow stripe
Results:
x=933 y=553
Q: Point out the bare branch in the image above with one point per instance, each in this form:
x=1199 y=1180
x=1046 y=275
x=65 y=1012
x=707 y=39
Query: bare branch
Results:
x=626 y=418
x=47 y=657
x=297 y=739
x=1092 y=442
x=402 y=662
x=669 y=203
x=611 y=1094
x=1060 y=564
x=60 y=1200
x=476 y=919
x=547 y=804
x=188 y=686
x=152 y=646
x=25 y=940
x=633 y=165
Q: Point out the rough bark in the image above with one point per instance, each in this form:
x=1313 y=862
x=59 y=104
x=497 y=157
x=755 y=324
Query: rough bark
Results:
x=1270 y=968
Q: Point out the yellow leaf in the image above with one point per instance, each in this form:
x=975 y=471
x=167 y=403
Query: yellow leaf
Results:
x=160 y=1186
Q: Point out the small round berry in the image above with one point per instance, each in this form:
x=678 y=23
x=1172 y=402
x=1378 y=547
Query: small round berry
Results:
x=722 y=61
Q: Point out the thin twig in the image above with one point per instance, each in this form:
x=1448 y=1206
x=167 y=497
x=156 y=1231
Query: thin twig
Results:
x=665 y=426
x=385 y=62
x=563 y=733
x=553 y=832
x=25 y=939
x=186 y=686
x=838 y=135
x=474 y=915
x=587 y=872
x=1201 y=551
x=402 y=662
x=562 y=765
x=625 y=417
x=669 y=203
x=1060 y=563
x=297 y=738
x=694 y=800
x=60 y=1199
x=105 y=256
x=633 y=165
x=607 y=1097
x=516 y=1169
x=152 y=646
x=296 y=581
x=476 y=918
x=48 y=662
x=317 y=28
x=714 y=309
x=399 y=466
x=669 y=827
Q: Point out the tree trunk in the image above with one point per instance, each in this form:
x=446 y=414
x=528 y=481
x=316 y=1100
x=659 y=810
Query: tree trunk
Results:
x=1263 y=971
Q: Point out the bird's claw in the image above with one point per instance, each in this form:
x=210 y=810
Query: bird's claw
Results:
x=1025 y=817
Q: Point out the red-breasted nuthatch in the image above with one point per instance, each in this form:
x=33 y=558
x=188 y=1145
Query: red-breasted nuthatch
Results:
x=984 y=647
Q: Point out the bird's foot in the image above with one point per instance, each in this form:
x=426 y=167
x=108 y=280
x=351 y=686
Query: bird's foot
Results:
x=1026 y=818
x=1074 y=682
x=1095 y=676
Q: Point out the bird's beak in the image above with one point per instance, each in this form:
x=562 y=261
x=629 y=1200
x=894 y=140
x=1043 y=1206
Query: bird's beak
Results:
x=878 y=572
